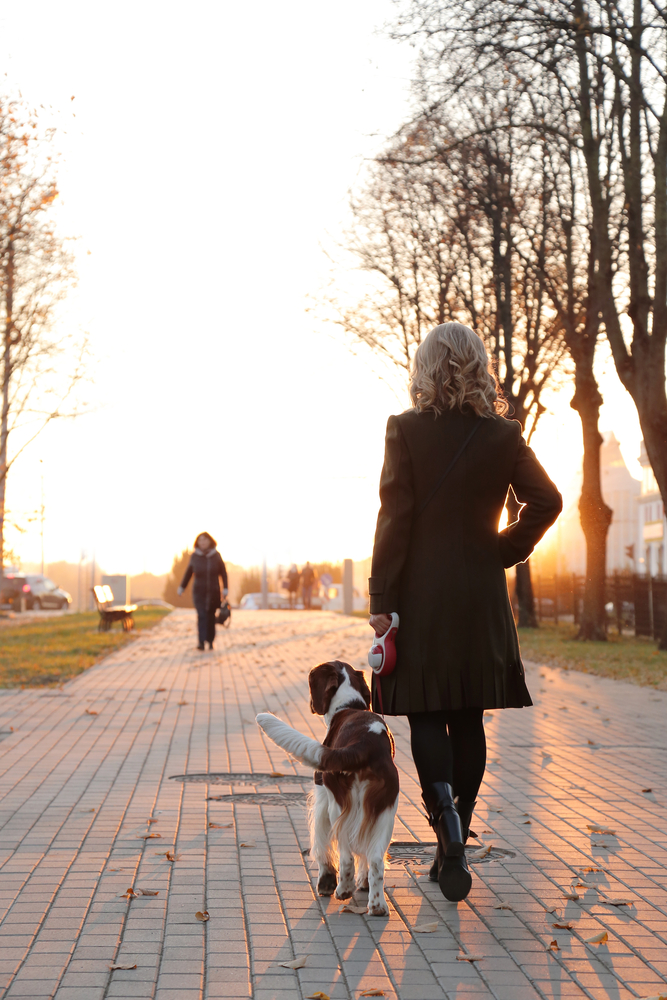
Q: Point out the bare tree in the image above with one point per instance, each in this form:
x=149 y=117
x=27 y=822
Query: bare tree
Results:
x=38 y=368
x=442 y=227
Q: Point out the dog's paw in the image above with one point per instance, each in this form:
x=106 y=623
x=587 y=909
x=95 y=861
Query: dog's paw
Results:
x=342 y=892
x=326 y=884
x=377 y=908
x=362 y=885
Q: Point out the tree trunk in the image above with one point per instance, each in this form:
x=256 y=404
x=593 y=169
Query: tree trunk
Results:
x=594 y=513
x=6 y=376
x=523 y=586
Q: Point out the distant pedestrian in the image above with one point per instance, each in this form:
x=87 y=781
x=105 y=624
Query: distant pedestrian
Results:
x=209 y=571
x=439 y=561
x=307 y=584
x=293 y=578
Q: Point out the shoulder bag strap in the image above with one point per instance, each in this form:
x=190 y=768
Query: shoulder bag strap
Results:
x=449 y=468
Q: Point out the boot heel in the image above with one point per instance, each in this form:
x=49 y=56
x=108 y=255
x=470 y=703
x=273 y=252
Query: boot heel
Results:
x=454 y=879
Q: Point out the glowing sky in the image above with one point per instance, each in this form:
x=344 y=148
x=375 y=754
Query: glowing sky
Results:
x=209 y=160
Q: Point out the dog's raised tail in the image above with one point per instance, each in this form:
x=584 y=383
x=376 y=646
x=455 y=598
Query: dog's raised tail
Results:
x=305 y=749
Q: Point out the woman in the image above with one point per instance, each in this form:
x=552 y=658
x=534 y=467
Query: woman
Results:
x=439 y=561
x=209 y=569
x=293 y=579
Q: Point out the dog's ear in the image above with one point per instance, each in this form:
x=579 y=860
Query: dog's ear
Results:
x=323 y=680
x=358 y=681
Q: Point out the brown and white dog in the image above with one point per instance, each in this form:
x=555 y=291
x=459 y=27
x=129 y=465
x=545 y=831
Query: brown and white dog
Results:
x=354 y=801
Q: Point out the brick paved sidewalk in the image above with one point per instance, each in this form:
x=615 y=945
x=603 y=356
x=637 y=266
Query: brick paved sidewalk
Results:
x=565 y=807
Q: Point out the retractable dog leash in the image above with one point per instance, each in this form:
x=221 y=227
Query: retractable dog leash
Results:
x=382 y=655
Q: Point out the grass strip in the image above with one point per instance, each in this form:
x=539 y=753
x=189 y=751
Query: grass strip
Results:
x=622 y=657
x=47 y=652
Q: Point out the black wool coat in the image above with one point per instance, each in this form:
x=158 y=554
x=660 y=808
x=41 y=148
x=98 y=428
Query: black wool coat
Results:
x=206 y=567
x=443 y=570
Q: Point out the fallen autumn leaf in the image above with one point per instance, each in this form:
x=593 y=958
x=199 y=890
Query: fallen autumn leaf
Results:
x=220 y=826
x=247 y=843
x=318 y=996
x=597 y=938
x=202 y=915
x=296 y=963
x=373 y=993
x=147 y=892
x=152 y=836
x=352 y=908
x=599 y=829
x=617 y=901
x=126 y=968
x=502 y=906
x=571 y=895
x=482 y=852
x=469 y=958
x=563 y=927
x=89 y=711
x=553 y=946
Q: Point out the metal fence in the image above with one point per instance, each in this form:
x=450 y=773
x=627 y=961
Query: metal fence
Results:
x=634 y=603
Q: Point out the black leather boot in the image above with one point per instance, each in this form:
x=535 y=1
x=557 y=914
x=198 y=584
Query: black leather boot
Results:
x=444 y=818
x=453 y=874
x=465 y=811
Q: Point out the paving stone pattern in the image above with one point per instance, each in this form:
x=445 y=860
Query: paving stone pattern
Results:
x=86 y=767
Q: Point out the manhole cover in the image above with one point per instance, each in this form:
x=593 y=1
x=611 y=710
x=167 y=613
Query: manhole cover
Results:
x=404 y=851
x=264 y=798
x=242 y=778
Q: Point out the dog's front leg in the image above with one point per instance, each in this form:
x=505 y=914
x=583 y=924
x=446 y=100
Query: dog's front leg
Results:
x=377 y=905
x=321 y=848
x=346 y=880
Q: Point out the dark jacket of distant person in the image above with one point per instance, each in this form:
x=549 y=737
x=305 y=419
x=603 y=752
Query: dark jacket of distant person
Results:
x=443 y=570
x=207 y=567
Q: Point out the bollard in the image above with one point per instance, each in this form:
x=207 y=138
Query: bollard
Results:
x=348 y=587
x=265 y=587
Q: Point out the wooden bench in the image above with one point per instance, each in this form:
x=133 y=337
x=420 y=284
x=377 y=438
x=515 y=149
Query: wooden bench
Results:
x=110 y=612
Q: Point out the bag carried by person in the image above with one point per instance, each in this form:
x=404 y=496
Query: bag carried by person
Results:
x=224 y=615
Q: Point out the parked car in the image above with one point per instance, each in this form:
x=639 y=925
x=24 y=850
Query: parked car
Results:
x=253 y=602
x=39 y=592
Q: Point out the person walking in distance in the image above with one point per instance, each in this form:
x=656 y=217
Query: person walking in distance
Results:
x=307 y=584
x=210 y=573
x=439 y=561
x=293 y=578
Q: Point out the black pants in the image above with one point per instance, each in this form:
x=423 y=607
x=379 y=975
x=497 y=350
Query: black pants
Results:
x=450 y=746
x=205 y=622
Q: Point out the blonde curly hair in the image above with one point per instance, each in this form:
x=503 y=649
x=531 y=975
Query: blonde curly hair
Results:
x=451 y=369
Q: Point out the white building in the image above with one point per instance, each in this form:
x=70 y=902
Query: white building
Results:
x=621 y=491
x=649 y=544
